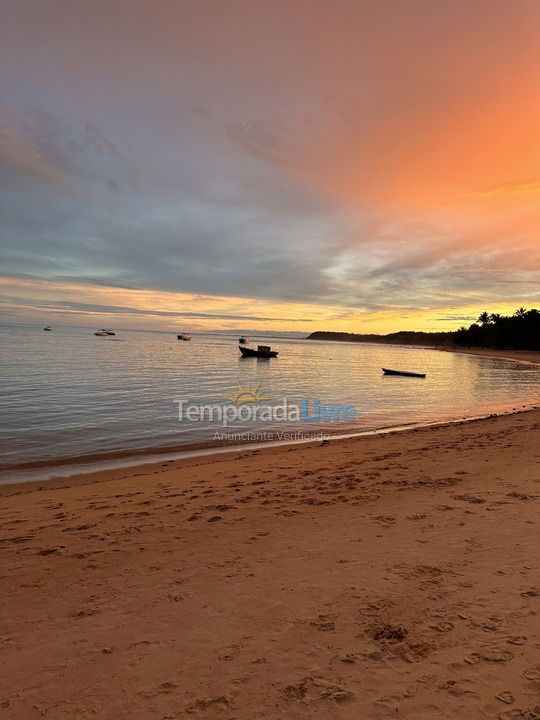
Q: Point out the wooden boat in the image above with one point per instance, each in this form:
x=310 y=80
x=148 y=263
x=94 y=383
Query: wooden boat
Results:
x=386 y=371
x=262 y=351
x=184 y=337
x=243 y=340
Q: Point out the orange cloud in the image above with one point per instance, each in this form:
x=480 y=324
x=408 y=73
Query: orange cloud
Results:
x=508 y=190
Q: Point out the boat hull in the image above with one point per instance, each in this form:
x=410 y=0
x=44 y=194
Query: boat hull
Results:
x=403 y=373
x=249 y=352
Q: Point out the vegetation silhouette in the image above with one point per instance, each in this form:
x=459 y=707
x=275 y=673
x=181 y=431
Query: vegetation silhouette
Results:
x=520 y=331
x=404 y=337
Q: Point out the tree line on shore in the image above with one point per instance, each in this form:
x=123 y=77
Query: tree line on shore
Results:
x=520 y=331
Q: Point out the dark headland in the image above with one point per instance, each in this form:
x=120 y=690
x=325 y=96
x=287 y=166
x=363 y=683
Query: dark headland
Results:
x=403 y=337
x=520 y=331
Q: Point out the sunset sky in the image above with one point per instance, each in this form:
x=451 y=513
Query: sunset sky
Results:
x=295 y=165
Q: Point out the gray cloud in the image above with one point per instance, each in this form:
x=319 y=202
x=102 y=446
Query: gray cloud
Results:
x=92 y=308
x=193 y=156
x=251 y=238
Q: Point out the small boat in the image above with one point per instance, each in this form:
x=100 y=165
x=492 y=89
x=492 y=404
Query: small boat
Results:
x=101 y=333
x=184 y=337
x=108 y=332
x=262 y=351
x=386 y=371
x=48 y=328
x=243 y=340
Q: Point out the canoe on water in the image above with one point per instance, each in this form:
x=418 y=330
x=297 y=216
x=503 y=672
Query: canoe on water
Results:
x=386 y=371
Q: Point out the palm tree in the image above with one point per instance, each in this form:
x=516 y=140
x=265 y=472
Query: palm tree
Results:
x=484 y=318
x=519 y=331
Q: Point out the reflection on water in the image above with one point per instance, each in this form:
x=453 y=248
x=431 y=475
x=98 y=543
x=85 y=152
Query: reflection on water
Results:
x=69 y=393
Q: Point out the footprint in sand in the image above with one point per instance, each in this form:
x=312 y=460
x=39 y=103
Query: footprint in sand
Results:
x=533 y=592
x=506 y=697
x=323 y=623
x=51 y=551
x=532 y=673
x=494 y=654
x=519 y=714
x=456 y=688
x=315 y=689
x=517 y=639
x=86 y=612
x=443 y=627
x=207 y=703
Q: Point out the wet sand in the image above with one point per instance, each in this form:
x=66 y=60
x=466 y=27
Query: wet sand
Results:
x=387 y=576
x=526 y=356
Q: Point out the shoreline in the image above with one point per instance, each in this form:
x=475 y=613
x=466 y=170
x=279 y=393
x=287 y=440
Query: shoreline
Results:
x=143 y=460
x=393 y=574
x=529 y=357
x=45 y=471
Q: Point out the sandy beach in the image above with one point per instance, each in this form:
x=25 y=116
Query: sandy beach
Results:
x=387 y=576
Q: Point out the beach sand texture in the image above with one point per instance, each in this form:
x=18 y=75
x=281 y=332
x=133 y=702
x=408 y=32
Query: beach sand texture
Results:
x=383 y=577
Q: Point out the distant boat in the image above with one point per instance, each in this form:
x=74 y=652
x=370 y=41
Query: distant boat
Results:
x=108 y=332
x=48 y=328
x=101 y=333
x=184 y=337
x=262 y=351
x=386 y=371
x=243 y=340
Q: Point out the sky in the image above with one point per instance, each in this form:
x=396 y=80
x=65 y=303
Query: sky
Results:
x=354 y=165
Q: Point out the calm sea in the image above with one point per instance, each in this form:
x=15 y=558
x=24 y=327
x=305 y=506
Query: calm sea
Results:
x=68 y=394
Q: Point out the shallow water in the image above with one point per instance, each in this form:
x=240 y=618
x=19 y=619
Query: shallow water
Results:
x=69 y=393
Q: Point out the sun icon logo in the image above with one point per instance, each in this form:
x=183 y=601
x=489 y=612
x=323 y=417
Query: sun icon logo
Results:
x=246 y=394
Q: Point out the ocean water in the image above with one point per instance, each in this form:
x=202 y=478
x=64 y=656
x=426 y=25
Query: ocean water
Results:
x=68 y=394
